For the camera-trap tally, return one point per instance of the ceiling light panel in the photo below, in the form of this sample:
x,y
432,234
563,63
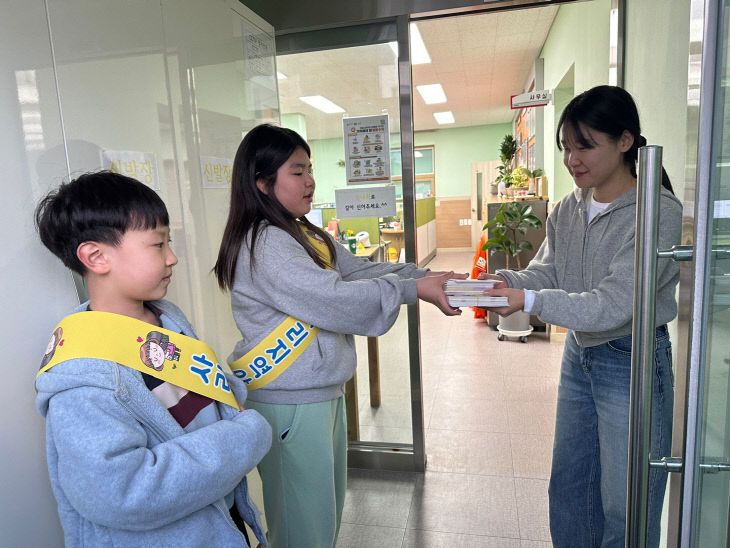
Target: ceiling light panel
x,y
322,103
419,53
432,93
446,117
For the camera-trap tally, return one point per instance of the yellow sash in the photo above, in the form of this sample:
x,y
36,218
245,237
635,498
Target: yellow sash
x,y
280,348
172,357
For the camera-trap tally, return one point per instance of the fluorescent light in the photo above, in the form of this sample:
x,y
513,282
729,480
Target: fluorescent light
x,y
446,117
419,53
280,76
322,103
432,93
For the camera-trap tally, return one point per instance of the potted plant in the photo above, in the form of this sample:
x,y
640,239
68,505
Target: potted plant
x,y
520,176
533,182
507,150
512,221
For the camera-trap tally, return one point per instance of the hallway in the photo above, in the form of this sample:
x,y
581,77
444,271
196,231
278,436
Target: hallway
x,y
489,409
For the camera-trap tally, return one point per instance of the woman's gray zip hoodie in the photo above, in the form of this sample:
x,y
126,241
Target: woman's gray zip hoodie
x,y
583,273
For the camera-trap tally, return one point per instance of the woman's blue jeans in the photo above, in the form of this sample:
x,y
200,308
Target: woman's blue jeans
x,y
587,490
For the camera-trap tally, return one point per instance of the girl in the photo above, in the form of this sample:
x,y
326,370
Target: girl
x,y
295,291
582,278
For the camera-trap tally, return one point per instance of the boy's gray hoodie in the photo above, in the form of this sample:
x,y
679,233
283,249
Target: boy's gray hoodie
x,y
126,474
359,297
583,274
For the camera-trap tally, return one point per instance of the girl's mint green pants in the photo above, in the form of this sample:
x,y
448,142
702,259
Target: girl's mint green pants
x,y
304,474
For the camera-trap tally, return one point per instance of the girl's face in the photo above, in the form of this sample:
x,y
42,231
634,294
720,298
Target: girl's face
x,y
599,164
294,186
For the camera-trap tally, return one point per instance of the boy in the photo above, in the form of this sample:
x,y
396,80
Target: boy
x,y
134,458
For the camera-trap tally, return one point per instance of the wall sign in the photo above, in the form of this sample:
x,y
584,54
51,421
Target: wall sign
x,y
215,172
367,149
138,165
531,99
365,202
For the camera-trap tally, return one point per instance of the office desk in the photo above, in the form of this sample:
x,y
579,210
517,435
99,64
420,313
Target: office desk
x,y
367,252
395,235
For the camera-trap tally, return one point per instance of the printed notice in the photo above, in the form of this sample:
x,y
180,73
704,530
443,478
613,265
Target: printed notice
x,y
215,172
138,165
365,202
367,149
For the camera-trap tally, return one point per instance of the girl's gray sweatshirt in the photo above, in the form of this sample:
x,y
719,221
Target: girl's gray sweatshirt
x,y
359,297
583,274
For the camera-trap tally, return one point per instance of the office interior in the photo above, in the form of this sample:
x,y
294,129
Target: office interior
x,y
451,429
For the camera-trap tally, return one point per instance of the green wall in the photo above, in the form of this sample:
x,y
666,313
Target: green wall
x,y
455,150
576,58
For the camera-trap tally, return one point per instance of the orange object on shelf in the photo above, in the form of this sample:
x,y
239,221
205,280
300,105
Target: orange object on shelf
x,y
479,266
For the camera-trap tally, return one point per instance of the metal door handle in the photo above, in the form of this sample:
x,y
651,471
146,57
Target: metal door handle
x,y
643,342
677,253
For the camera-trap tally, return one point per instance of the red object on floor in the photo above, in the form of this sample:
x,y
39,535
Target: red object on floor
x,y
479,266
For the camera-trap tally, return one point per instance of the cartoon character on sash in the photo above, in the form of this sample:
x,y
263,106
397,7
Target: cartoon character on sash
x,y
56,340
156,349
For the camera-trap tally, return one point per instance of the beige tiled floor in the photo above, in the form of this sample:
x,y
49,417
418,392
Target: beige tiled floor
x,y
489,408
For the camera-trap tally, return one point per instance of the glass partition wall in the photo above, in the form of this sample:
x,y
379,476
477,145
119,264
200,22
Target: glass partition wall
x,y
357,70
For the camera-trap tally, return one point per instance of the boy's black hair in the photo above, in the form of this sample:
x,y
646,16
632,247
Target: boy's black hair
x,y
96,207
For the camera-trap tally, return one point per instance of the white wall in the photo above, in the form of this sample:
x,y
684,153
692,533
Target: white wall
x,y
37,289
167,78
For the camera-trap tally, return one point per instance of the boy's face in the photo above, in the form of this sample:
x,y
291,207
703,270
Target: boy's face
x,y
141,265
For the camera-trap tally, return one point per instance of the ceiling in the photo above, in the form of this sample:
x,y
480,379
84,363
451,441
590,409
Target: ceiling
x,y
480,61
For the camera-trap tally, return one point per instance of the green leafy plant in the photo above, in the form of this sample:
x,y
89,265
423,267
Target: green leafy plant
x,y
507,150
512,220
535,173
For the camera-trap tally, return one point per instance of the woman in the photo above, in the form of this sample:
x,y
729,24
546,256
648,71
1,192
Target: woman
x,y
582,278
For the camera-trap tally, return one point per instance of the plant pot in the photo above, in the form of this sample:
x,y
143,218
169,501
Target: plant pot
x,y
502,188
509,191
493,190
516,322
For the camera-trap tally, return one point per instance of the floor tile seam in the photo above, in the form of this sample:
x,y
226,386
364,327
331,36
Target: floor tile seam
x,y
481,430
454,473
378,526
471,535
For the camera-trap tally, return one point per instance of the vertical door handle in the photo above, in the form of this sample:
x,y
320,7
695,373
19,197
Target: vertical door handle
x,y
643,343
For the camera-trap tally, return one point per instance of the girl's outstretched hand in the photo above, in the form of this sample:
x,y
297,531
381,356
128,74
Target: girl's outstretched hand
x,y
430,289
454,276
501,282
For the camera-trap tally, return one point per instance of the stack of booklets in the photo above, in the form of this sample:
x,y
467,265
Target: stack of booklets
x,y
471,293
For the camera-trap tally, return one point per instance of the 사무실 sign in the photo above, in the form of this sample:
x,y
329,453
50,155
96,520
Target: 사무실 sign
x,y
531,99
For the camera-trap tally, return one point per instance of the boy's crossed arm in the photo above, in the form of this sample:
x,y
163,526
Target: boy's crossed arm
x,y
112,478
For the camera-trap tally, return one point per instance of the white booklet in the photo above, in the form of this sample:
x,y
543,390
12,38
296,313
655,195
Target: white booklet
x,y
471,293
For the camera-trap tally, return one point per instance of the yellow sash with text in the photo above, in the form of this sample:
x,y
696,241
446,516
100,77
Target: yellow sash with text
x,y
172,357
280,348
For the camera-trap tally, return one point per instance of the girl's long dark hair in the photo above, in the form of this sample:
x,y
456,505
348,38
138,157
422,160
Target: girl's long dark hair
x,y
262,152
610,110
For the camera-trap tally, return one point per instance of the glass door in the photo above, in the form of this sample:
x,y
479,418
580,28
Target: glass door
x,y
706,482
327,79
699,496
